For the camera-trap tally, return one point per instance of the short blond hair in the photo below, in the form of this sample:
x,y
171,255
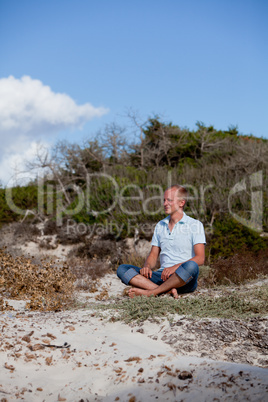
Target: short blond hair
x,y
181,192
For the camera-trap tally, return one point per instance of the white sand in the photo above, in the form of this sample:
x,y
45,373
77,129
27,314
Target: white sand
x,y
95,367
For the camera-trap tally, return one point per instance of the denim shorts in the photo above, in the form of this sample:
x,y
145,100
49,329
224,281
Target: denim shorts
x,y
188,272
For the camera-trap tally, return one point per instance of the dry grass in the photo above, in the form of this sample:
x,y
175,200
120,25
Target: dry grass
x,y
239,268
135,259
26,231
102,250
87,272
45,287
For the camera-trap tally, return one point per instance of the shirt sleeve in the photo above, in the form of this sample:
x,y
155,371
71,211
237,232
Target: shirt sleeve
x,y
199,234
155,239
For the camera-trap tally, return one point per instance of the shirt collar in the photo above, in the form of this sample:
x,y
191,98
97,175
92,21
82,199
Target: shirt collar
x,y
182,221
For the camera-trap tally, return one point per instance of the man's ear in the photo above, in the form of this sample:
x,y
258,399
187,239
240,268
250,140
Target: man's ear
x,y
183,202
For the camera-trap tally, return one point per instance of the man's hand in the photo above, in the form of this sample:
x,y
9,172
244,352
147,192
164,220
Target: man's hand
x,y
147,272
167,272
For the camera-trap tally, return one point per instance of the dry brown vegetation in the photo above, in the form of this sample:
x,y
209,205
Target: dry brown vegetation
x,y
239,268
46,287
87,272
26,231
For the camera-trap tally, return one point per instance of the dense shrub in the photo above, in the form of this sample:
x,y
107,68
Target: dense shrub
x,y
239,268
230,237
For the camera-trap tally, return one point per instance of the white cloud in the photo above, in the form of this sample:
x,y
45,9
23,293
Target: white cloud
x,y
27,106
13,170
31,111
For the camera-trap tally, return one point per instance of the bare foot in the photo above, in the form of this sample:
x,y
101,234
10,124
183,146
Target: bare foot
x,y
125,291
138,292
174,293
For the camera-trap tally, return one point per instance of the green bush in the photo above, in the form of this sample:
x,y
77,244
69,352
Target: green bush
x,y
230,237
23,197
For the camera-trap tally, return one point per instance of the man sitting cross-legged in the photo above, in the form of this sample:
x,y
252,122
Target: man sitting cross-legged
x,y
180,242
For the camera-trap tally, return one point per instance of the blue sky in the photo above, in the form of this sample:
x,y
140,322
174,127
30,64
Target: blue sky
x,y
188,61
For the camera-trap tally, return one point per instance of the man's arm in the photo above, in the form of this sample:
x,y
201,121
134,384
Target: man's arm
x,y
150,262
199,258
199,250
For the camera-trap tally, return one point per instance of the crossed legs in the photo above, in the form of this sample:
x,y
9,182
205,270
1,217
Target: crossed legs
x,y
184,280
143,286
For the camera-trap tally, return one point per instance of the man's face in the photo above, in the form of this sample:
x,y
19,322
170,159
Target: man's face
x,y
171,201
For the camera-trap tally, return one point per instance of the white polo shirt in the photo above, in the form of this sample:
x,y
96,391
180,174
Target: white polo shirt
x,y
177,246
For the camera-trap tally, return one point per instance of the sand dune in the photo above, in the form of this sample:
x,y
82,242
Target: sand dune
x,y
109,361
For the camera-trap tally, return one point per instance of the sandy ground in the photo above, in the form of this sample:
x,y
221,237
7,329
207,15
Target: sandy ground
x,y
109,361
80,356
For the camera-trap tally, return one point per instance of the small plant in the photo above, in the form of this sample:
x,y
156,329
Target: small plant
x,y
26,230
88,270
133,259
